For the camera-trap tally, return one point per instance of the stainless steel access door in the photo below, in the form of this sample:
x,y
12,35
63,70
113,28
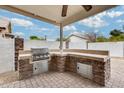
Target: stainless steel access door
x,y
40,67
84,70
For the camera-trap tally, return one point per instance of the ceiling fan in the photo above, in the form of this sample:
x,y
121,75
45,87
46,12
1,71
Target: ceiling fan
x,y
65,7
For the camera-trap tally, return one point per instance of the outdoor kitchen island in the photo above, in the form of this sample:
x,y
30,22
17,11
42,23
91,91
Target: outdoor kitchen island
x,y
95,67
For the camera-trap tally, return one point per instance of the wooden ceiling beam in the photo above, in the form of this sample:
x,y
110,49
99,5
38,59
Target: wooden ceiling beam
x,y
64,10
87,7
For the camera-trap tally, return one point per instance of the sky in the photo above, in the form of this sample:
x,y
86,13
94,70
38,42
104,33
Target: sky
x,y
102,23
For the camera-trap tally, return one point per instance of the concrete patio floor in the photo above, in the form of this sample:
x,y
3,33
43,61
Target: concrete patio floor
x,y
70,80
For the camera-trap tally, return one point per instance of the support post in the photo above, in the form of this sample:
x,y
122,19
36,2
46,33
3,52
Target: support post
x,y
61,38
19,45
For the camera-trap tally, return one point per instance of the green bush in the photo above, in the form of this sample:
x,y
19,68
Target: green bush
x,y
101,39
36,38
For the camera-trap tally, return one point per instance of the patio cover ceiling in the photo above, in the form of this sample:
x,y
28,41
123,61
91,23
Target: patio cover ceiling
x,y
52,13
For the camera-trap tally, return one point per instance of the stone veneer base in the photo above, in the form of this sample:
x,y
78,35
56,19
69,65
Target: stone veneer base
x,y
61,63
25,69
100,69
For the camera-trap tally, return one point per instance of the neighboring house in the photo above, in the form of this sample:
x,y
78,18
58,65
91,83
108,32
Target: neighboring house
x,y
5,29
76,41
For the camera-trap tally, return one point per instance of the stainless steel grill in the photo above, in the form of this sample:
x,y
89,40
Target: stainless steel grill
x,y
40,54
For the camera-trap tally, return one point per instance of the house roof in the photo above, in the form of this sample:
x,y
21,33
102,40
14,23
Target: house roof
x,y
52,13
2,28
76,34
4,23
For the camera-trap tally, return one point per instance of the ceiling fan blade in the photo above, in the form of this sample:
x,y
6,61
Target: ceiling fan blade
x,y
87,7
64,10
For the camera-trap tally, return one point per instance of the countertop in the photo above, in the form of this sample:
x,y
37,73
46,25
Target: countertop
x,y
86,55
90,56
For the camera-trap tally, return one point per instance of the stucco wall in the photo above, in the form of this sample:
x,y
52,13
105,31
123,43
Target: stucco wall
x,y
77,43
76,39
40,44
6,55
116,49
